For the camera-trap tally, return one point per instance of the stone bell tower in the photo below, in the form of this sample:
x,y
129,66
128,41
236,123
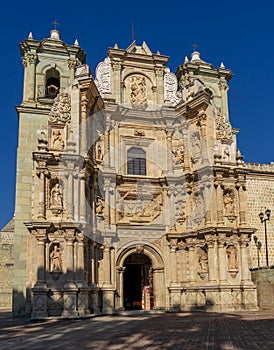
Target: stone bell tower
x,y
49,67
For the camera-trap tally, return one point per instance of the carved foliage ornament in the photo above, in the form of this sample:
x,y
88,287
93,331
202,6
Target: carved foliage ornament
x,y
223,128
60,112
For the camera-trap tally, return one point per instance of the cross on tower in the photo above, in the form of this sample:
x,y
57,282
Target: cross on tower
x,y
55,23
195,46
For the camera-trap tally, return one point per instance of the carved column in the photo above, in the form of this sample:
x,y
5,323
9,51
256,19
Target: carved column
x,y
93,287
224,88
171,205
70,206
212,261
29,62
219,195
186,149
188,206
107,288
107,272
40,289
82,301
158,290
173,262
169,153
202,122
121,271
83,126
192,262
70,289
41,205
242,202
82,198
222,260
245,273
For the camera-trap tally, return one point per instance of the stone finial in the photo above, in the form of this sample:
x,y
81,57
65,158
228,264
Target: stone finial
x,y
55,34
116,46
195,56
222,65
76,43
30,36
186,59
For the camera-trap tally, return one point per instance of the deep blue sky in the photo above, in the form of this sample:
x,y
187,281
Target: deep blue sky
x,y
239,33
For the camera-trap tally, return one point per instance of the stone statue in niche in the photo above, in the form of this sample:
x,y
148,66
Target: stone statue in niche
x,y
232,257
228,199
55,259
57,139
56,194
100,207
203,260
138,93
199,211
195,146
178,155
226,154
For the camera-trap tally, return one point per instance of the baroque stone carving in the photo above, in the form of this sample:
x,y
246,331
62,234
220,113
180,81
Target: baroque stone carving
x,y
103,76
170,87
232,262
223,128
55,196
228,199
138,93
198,206
57,139
100,206
55,259
195,146
60,111
178,153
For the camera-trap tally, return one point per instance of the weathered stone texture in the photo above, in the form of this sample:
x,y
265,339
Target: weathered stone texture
x,y
264,279
6,265
260,196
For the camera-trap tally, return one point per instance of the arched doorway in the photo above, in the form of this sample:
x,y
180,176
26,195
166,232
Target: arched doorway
x,y
138,283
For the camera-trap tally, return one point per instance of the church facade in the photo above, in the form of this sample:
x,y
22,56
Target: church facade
x,y
131,192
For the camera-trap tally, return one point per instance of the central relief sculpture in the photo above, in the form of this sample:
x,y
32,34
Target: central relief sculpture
x,y
138,92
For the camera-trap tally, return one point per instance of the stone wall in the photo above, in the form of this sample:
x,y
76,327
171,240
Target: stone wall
x,y
260,196
6,265
264,279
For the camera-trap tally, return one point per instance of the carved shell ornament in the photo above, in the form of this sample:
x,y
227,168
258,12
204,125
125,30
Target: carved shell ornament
x,y
60,111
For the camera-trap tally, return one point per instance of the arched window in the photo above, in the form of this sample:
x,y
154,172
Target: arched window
x,y
52,83
136,161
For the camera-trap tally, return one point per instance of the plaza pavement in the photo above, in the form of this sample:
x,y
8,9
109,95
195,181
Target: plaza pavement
x,y
129,331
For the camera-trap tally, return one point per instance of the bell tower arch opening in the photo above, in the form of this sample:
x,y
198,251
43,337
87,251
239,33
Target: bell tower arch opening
x,y
52,83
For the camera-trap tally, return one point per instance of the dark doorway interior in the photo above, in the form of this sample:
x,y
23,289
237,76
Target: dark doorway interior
x,y
138,284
